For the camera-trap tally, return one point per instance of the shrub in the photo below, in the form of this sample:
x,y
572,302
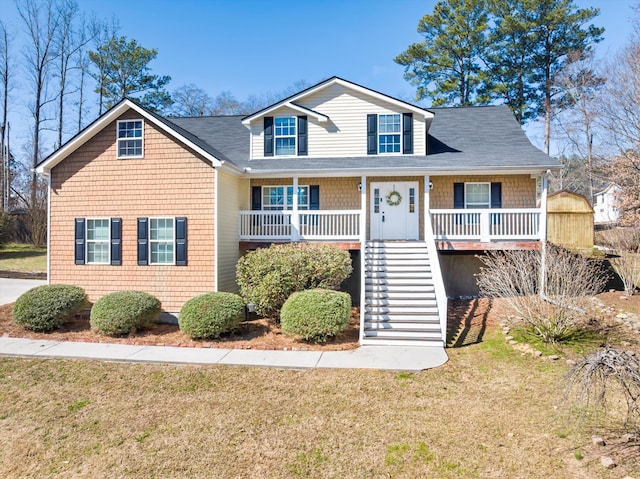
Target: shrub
x,y
7,226
552,312
267,277
210,315
124,312
46,307
624,244
316,315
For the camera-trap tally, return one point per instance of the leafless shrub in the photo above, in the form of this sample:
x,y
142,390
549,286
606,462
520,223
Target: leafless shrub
x,y
554,313
605,377
624,244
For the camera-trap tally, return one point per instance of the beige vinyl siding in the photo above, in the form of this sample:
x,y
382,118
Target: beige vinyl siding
x,y
233,196
345,134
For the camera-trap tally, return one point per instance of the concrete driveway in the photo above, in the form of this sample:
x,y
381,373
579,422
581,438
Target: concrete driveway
x,y
11,289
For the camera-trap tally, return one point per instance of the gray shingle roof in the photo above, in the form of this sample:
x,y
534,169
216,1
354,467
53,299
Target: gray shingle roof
x,y
473,138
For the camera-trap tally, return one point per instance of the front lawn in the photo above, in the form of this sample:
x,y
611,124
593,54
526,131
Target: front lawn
x,y
487,413
23,257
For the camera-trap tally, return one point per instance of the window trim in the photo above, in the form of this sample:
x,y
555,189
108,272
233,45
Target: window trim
x,y
398,134
484,205
118,139
151,241
87,241
285,202
294,135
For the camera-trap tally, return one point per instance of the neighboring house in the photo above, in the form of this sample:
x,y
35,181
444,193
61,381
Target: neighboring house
x,y
606,205
138,201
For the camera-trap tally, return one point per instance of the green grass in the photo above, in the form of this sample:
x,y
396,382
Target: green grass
x,y
23,257
488,412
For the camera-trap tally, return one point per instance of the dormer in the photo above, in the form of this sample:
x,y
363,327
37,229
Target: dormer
x,y
337,118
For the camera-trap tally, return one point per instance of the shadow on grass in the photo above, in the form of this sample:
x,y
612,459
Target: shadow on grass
x,y
467,322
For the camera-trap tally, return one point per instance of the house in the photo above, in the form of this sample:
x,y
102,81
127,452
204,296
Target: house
x,y
606,206
168,205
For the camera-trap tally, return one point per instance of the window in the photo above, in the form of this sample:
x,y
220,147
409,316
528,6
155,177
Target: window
x,y
477,195
281,198
285,135
389,129
161,240
98,241
130,139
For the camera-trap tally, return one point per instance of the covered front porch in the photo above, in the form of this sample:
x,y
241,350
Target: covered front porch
x,y
350,211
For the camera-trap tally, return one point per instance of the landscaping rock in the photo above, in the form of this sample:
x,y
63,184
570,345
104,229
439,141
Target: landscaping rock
x,y
628,438
571,362
509,338
597,441
607,462
553,357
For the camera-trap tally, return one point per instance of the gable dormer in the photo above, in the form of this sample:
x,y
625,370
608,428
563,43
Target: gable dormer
x,y
335,119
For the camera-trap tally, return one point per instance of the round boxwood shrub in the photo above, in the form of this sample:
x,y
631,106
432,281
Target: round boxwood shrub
x,y
268,276
124,312
46,307
316,315
210,315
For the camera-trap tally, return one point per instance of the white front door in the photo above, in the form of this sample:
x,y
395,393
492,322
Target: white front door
x,y
394,211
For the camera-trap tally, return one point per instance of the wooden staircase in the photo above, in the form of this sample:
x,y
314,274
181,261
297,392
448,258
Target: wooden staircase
x,y
400,305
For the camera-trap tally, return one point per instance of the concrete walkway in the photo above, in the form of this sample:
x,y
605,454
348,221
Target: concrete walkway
x,y
11,289
366,357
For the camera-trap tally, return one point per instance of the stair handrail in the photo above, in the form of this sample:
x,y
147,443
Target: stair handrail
x,y
436,272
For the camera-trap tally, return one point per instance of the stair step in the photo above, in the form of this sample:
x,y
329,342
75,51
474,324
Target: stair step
x,y
408,326
424,273
404,334
401,301
395,244
397,310
404,268
401,317
384,287
422,342
399,254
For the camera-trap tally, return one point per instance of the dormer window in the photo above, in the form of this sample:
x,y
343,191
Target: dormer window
x,y
285,135
130,139
389,133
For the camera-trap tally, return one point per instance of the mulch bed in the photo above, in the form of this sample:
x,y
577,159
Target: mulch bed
x,y
261,334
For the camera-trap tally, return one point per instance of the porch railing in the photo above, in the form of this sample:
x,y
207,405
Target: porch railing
x,y
486,224
306,225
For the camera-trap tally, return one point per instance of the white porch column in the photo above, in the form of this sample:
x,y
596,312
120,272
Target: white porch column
x,y
543,207
295,220
363,242
427,205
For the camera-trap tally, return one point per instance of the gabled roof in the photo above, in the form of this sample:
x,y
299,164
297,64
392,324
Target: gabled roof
x,y
207,151
290,101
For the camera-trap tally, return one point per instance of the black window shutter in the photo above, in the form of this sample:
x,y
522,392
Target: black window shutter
x,y
268,136
407,133
314,197
458,195
302,136
116,241
256,198
496,195
181,241
372,134
143,241
80,240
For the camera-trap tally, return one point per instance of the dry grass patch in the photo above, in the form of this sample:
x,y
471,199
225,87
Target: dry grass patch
x,y
488,413
23,257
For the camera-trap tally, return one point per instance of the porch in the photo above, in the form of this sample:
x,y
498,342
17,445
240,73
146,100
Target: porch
x,y
453,229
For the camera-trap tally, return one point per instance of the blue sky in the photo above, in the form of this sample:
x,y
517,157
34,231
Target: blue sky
x,y
250,46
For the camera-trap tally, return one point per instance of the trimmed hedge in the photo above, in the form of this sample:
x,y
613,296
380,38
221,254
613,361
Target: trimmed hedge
x,y
210,315
316,315
46,307
268,276
124,312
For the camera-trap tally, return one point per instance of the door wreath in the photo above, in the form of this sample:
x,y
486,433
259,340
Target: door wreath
x,y
394,198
